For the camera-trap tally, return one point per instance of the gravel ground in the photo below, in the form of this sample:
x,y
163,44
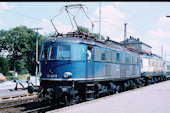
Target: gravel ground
x,y
13,110
150,99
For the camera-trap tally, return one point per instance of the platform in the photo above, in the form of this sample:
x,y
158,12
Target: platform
x,y
12,93
7,88
150,99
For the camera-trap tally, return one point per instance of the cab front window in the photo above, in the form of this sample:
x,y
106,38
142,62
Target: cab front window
x,y
45,52
64,52
53,53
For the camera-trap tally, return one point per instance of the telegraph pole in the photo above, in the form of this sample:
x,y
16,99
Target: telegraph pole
x,y
167,17
36,71
100,22
125,33
162,52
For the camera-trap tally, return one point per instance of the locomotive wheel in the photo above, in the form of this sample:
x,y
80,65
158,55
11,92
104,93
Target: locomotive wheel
x,y
125,86
132,85
52,103
112,88
152,81
70,101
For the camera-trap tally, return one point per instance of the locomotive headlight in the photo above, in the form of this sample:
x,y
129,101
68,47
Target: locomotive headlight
x,y
67,74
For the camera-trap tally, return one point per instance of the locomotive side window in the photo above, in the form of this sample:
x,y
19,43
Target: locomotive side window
x,y
127,59
118,57
103,55
156,63
149,62
64,52
53,53
160,64
109,56
97,54
133,60
123,58
45,52
168,67
113,57
141,62
152,63
138,60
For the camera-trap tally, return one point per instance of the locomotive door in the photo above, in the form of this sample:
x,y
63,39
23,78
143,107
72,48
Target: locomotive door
x,y
90,63
89,69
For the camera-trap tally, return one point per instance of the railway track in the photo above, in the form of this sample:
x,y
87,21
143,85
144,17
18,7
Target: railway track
x,y
23,103
10,102
16,97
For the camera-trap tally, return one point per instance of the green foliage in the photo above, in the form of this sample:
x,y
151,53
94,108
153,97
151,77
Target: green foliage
x,y
4,66
11,78
86,30
82,29
21,67
20,42
23,76
9,74
19,77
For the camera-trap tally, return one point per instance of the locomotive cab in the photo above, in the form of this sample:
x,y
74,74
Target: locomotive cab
x,y
64,60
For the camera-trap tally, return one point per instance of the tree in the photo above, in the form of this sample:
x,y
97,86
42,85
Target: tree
x,y
4,66
82,29
86,30
20,42
97,35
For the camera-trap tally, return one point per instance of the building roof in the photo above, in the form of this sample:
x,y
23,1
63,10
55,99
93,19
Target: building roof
x,y
133,40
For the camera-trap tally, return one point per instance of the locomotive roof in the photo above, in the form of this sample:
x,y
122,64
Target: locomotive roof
x,y
101,43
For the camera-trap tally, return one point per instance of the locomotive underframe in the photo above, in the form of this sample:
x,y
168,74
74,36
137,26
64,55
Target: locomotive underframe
x,y
71,92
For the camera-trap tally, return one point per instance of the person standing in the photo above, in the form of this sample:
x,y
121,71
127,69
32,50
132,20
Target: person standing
x,y
89,52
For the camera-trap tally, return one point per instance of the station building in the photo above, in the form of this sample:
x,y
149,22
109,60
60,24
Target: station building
x,y
136,45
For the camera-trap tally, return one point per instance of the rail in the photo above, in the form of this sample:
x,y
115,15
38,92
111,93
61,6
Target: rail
x,y
17,97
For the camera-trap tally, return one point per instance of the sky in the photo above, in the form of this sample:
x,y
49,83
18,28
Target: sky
x,y
145,20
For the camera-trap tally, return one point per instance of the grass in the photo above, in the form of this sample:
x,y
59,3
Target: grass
x,y
19,77
23,77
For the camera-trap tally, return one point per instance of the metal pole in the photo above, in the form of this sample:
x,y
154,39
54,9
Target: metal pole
x,y
125,33
100,22
36,70
14,66
36,57
162,52
166,17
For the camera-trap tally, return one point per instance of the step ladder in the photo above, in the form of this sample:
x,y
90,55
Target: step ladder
x,y
90,92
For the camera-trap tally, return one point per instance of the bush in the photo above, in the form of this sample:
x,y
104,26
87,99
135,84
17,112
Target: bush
x,y
11,78
20,77
9,74
4,66
23,76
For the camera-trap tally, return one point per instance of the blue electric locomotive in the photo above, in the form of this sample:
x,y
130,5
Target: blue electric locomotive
x,y
68,75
